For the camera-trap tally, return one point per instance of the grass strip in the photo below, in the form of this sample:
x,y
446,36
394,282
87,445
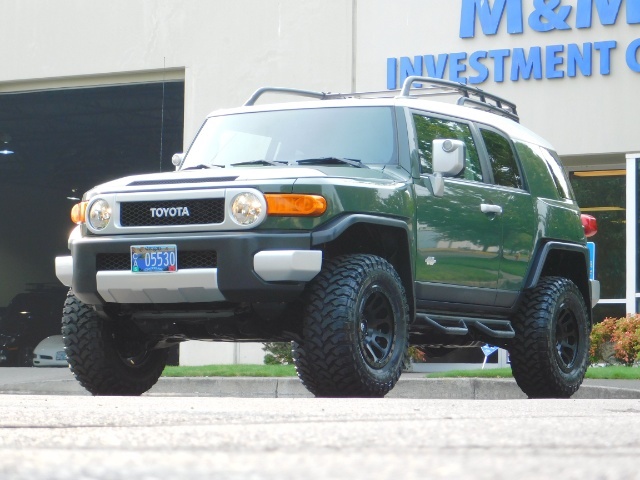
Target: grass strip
x,y
601,373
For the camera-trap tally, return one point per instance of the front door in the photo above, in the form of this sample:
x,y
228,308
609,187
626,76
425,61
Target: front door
x,y
459,234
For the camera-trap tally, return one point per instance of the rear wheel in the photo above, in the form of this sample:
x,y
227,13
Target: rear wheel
x,y
550,351
104,359
355,329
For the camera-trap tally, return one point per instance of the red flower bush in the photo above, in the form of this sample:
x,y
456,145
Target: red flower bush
x,y
622,333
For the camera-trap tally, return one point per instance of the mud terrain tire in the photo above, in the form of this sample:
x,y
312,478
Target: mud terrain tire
x,y
92,348
550,351
355,329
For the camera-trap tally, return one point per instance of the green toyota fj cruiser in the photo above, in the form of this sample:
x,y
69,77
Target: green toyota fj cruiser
x,y
352,225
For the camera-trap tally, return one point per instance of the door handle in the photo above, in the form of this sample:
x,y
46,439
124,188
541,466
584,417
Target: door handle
x,y
487,208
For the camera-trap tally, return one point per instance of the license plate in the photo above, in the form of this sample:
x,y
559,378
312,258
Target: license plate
x,y
154,258
61,356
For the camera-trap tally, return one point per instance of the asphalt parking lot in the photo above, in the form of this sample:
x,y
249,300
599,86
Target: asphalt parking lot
x,y
268,428
71,437
60,381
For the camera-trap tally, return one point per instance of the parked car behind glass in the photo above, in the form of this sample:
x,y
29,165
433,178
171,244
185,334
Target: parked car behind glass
x,y
50,353
30,317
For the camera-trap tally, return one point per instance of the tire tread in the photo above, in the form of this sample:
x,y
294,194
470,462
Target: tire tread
x,y
326,360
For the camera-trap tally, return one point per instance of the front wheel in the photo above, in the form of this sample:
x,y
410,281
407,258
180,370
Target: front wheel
x,y
550,351
355,329
104,359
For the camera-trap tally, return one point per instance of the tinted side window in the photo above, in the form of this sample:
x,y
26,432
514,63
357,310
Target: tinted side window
x,y
503,161
429,129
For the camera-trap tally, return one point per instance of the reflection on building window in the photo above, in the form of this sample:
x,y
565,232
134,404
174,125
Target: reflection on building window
x,y
602,194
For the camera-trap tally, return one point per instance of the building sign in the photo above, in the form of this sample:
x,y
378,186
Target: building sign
x,y
539,61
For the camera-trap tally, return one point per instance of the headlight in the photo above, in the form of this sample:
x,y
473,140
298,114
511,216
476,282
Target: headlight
x,y
99,214
246,208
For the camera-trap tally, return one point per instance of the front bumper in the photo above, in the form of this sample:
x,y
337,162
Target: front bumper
x,y
251,267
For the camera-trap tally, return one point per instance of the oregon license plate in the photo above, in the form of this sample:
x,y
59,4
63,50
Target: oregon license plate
x,y
154,258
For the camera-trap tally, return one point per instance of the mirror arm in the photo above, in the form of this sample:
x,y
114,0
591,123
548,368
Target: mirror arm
x,y
437,183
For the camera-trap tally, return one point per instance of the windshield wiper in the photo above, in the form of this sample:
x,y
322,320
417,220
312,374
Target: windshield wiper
x,y
332,161
259,162
202,166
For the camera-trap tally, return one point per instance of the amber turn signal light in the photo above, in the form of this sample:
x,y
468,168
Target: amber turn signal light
x,y
296,205
78,212
590,225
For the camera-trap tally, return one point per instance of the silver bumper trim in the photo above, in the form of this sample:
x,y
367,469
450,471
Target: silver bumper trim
x,y
64,270
594,285
287,265
183,286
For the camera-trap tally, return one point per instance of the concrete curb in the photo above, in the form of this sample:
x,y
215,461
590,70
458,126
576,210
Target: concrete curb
x,y
288,387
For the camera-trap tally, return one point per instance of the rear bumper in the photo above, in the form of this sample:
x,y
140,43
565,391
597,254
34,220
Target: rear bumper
x,y
594,286
250,267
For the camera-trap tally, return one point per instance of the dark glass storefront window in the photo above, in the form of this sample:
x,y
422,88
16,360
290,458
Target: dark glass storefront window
x,y
54,145
602,194
606,310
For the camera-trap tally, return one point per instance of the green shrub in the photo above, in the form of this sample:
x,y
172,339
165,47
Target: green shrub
x,y
621,333
277,353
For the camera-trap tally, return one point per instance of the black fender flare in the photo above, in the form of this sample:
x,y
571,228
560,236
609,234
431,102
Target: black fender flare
x,y
338,226
541,253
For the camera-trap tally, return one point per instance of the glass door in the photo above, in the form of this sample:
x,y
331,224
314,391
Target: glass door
x,y
602,193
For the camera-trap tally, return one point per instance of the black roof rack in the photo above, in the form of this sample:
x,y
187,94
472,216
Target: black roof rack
x,y
471,96
291,91
483,100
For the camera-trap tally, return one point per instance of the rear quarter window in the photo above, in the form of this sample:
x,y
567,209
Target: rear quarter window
x,y
544,172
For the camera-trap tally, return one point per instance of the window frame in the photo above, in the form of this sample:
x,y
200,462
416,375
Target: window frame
x,y
487,176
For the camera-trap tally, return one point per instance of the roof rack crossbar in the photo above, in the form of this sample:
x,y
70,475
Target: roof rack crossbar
x,y
319,95
483,105
432,86
485,101
291,91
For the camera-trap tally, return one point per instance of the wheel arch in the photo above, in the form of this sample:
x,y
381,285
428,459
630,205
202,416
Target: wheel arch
x,y
566,260
385,237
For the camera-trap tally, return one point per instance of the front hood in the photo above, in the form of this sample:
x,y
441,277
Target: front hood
x,y
235,177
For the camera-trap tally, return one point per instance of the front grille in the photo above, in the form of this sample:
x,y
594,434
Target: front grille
x,y
172,212
186,259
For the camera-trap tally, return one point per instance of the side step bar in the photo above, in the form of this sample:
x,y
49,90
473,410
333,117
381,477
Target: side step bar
x,y
461,325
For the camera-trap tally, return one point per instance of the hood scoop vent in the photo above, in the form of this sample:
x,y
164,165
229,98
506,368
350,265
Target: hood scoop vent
x,y
177,181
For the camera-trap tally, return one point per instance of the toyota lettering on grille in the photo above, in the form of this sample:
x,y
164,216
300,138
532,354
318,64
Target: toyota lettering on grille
x,y
169,212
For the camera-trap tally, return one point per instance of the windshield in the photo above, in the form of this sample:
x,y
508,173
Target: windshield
x,y
364,134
